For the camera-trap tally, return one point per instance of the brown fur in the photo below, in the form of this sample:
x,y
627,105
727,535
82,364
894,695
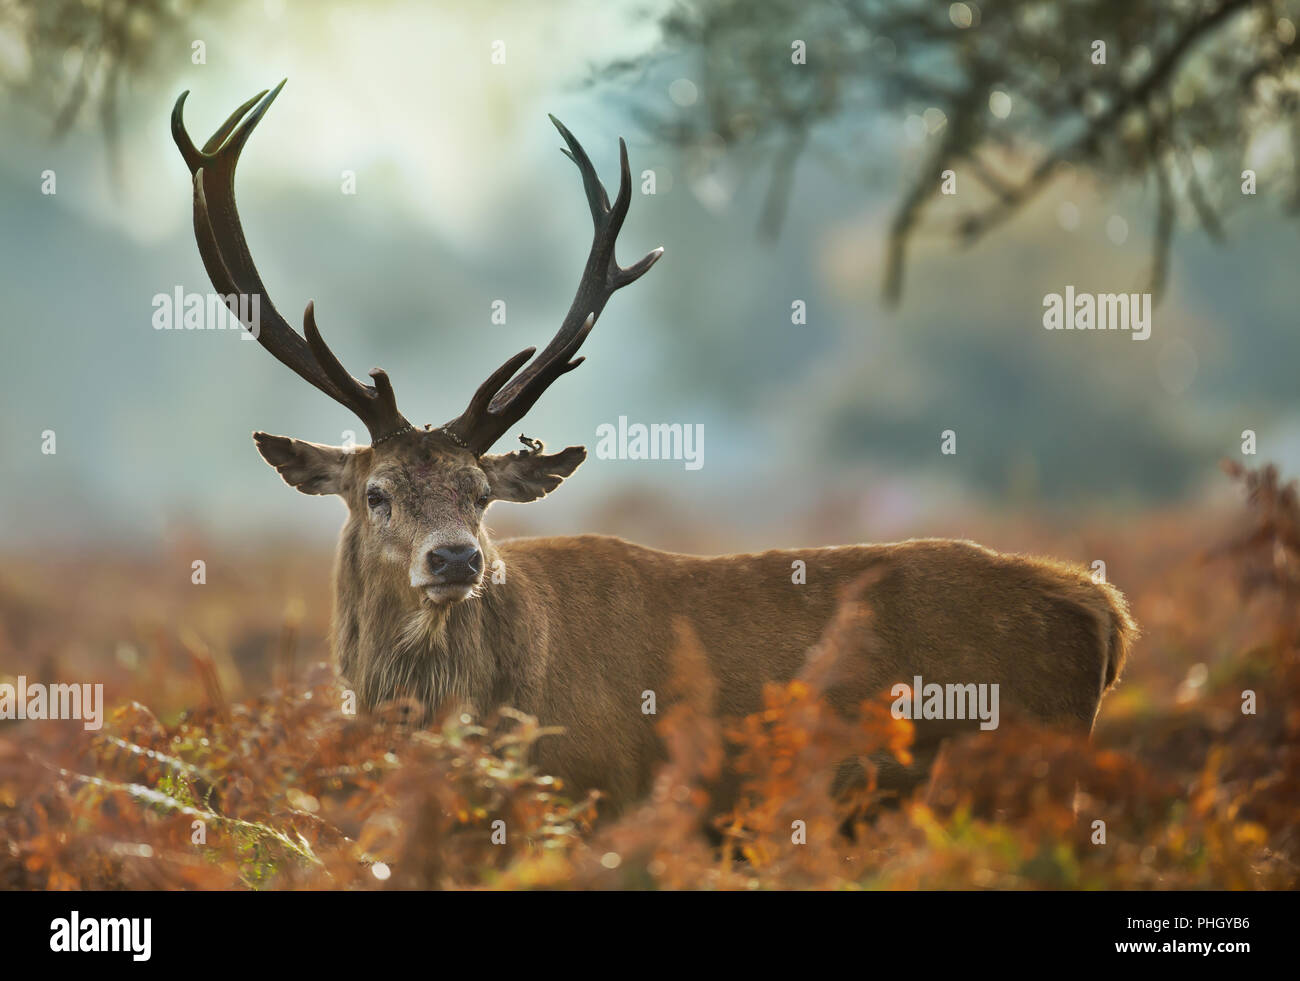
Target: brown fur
x,y
582,626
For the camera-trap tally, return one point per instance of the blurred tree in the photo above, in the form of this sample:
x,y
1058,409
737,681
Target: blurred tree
x,y
1006,94
70,57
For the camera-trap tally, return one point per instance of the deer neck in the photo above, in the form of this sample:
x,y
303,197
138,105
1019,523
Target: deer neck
x,y
390,644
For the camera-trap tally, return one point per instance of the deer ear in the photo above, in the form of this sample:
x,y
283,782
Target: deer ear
x,y
312,468
526,475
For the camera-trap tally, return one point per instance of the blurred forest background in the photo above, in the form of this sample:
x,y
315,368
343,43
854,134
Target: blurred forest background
x,y
776,182
798,151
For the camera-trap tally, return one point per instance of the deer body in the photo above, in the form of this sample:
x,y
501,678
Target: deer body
x,y
582,628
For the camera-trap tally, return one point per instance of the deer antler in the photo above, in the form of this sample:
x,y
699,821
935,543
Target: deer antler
x,y
230,267
504,398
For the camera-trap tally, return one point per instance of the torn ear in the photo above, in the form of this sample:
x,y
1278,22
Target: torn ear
x,y
526,475
312,468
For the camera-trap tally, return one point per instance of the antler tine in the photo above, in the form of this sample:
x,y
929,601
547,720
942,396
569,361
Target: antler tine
x,y
380,405
552,369
220,237
479,428
483,397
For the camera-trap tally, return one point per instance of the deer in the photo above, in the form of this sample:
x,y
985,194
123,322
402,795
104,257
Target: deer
x,y
575,629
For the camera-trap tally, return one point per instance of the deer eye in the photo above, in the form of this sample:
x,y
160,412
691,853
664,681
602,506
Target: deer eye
x,y
376,498
484,499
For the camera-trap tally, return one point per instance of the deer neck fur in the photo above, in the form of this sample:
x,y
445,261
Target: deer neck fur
x,y
390,643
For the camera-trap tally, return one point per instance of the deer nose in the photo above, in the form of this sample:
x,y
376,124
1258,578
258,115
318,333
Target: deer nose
x,y
456,563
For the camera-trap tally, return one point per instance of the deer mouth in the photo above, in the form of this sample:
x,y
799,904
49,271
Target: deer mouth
x,y
445,593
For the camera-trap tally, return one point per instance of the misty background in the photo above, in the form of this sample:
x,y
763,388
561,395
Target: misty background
x,y
827,431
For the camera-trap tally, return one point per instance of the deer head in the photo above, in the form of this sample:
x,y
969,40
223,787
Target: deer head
x,y
416,497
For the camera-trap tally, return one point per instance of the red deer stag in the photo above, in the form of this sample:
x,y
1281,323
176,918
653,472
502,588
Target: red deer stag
x,y
582,626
